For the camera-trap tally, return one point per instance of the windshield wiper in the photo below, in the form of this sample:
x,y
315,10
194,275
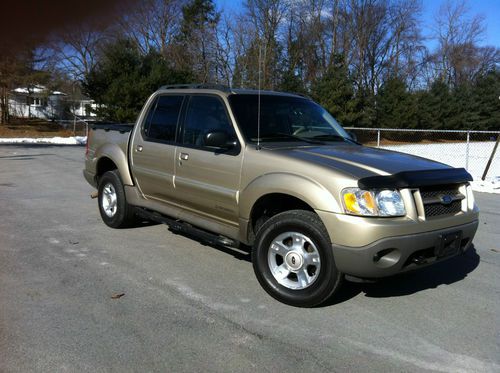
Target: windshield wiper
x,y
335,138
283,135
330,137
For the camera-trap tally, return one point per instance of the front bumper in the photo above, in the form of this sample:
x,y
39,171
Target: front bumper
x,y
392,255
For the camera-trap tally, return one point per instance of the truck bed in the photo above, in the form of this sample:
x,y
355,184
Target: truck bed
x,y
120,127
110,133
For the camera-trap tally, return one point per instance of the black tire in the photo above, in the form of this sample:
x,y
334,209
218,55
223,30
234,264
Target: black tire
x,y
123,215
309,225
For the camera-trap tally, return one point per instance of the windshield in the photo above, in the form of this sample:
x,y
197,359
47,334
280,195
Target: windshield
x,y
285,118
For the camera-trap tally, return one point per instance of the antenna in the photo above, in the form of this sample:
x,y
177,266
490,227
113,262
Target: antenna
x,y
258,100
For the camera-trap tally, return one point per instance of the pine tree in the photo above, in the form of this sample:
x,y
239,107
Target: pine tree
x,y
486,93
396,106
291,82
334,91
435,107
124,79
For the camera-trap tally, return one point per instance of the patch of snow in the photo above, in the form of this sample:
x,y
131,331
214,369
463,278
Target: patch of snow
x,y
74,140
455,155
488,186
35,89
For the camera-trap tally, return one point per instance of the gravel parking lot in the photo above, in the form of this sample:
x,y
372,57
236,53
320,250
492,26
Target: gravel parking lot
x,y
78,296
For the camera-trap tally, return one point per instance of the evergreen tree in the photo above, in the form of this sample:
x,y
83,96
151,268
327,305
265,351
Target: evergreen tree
x,y
463,108
197,41
124,78
197,15
435,106
486,94
291,82
396,106
334,91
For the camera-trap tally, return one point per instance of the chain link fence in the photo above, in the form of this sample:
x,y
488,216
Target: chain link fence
x,y
468,149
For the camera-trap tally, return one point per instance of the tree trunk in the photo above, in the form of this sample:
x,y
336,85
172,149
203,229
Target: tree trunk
x,y
4,106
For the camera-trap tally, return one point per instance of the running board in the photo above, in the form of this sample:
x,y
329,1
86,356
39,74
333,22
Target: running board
x,y
186,228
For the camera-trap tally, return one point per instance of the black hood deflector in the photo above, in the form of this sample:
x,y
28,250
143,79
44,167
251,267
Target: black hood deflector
x,y
415,179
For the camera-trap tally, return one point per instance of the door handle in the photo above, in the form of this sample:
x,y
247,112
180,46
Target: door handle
x,y
139,148
183,156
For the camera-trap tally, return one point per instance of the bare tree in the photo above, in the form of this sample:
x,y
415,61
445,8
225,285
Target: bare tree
x,y
153,24
459,58
264,18
11,70
225,50
77,47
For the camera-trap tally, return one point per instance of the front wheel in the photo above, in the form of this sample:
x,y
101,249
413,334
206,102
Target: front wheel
x,y
113,206
293,259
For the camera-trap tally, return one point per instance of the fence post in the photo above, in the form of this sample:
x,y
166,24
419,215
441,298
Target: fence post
x,y
378,138
467,152
491,158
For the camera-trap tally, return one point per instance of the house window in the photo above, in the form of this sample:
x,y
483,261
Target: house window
x,y
35,101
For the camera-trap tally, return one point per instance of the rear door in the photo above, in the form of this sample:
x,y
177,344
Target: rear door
x,y
206,179
153,148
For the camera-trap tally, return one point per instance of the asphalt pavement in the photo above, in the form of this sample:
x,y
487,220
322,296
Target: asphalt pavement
x,y
76,295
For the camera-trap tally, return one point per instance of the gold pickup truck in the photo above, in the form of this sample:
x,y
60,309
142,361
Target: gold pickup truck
x,y
276,172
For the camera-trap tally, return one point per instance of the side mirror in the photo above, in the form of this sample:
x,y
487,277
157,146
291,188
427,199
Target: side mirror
x,y
219,139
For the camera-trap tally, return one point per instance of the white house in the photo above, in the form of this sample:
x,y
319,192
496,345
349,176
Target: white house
x,y
39,102
84,108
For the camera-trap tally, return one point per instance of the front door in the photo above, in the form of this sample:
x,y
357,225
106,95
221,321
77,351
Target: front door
x,y
207,179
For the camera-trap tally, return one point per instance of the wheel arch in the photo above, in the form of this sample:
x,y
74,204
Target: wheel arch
x,y
274,193
111,157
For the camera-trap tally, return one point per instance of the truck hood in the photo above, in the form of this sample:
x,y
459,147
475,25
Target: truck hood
x,y
361,161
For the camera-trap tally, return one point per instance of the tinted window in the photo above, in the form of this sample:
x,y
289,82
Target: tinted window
x,y
161,122
284,117
205,114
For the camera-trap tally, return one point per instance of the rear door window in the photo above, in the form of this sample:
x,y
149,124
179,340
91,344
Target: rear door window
x,y
161,121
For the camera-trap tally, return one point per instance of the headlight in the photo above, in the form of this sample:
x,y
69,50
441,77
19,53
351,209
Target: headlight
x,y
390,203
373,203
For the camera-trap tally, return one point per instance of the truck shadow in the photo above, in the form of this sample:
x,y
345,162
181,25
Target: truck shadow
x,y
443,273
241,253
24,157
446,272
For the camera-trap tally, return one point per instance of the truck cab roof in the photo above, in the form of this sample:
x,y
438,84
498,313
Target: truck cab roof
x,y
219,88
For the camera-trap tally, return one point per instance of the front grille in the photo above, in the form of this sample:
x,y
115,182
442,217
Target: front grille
x,y
432,192
437,209
432,199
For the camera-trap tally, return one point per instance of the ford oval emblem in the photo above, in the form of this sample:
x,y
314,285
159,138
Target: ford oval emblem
x,y
446,199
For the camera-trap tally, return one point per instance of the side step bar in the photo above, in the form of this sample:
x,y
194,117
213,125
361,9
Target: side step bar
x,y
186,228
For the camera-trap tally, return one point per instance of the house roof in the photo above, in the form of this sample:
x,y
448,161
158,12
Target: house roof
x,y
38,89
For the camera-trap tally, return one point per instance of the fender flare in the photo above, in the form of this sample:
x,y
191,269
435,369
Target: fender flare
x,y
119,158
298,186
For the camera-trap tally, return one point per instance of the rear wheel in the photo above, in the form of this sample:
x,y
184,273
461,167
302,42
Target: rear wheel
x,y
293,259
113,206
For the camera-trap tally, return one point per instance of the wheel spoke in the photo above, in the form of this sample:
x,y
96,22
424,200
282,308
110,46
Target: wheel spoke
x,y
298,241
304,278
279,248
311,258
282,272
